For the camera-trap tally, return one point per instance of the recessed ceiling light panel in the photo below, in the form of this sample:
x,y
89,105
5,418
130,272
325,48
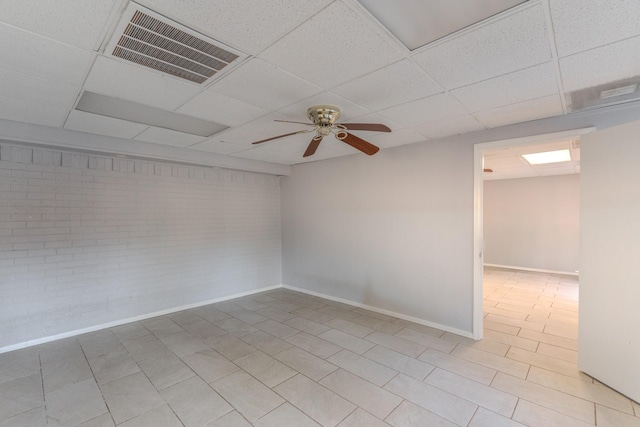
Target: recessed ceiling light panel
x,y
417,23
95,103
546,157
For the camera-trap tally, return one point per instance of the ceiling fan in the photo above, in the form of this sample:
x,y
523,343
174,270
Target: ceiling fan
x,y
324,119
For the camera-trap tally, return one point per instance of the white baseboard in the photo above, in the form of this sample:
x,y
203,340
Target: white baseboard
x,y
94,328
537,270
456,331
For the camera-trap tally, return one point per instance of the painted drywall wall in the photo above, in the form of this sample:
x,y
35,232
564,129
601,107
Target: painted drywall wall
x,y
533,223
87,240
393,231
609,339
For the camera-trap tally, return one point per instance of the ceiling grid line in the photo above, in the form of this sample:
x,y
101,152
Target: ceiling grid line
x,y
299,54
554,53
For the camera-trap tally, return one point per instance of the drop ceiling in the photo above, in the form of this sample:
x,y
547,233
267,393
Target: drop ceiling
x,y
517,66
508,163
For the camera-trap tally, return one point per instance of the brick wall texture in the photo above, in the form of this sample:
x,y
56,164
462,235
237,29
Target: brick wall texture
x,y
87,240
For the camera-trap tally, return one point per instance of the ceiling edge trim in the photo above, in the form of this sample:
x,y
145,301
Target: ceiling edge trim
x,y
18,132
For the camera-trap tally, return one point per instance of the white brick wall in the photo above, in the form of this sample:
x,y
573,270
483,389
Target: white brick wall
x,y
89,240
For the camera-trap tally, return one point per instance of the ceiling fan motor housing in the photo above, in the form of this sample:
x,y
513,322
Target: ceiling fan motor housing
x,y
324,118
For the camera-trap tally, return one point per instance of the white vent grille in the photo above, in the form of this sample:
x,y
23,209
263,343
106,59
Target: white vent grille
x,y
168,47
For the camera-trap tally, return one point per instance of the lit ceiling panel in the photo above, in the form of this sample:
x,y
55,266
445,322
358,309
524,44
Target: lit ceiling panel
x,y
417,23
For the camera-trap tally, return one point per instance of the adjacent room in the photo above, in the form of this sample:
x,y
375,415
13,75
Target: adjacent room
x,y
319,212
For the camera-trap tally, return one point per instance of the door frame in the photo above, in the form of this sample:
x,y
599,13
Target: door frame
x,y
478,208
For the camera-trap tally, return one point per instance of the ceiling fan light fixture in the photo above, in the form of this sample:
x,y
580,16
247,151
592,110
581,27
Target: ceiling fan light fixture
x,y
324,118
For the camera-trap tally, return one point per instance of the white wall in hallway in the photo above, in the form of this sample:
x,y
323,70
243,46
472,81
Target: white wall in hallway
x,y
609,335
533,223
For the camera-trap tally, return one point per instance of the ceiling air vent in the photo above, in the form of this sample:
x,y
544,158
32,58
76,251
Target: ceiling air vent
x,y
149,39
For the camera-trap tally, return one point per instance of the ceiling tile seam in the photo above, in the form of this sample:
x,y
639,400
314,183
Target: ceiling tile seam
x,y
110,25
212,87
93,53
443,89
48,106
43,79
635,36
81,88
359,9
295,27
554,53
507,74
478,25
403,50
38,35
500,75
588,50
464,107
210,84
518,103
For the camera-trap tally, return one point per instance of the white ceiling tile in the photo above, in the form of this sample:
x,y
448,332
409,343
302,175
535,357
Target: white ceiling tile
x,y
605,64
538,148
508,163
522,112
248,25
509,174
392,139
218,147
393,85
168,137
333,47
376,118
451,126
584,24
501,163
238,136
30,112
531,83
348,109
142,85
267,125
327,151
290,144
259,83
77,22
516,41
269,155
223,109
34,89
38,56
437,107
102,125
556,170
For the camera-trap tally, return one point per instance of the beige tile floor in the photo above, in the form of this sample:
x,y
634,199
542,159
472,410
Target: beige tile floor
x,y
283,358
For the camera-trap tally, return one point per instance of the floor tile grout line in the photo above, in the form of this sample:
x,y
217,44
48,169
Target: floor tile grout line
x,y
455,346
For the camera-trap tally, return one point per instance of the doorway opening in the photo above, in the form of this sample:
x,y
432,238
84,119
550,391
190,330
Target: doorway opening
x,y
479,153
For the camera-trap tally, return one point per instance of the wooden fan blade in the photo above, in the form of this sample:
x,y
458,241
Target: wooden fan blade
x,y
375,127
313,146
289,121
360,144
279,136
